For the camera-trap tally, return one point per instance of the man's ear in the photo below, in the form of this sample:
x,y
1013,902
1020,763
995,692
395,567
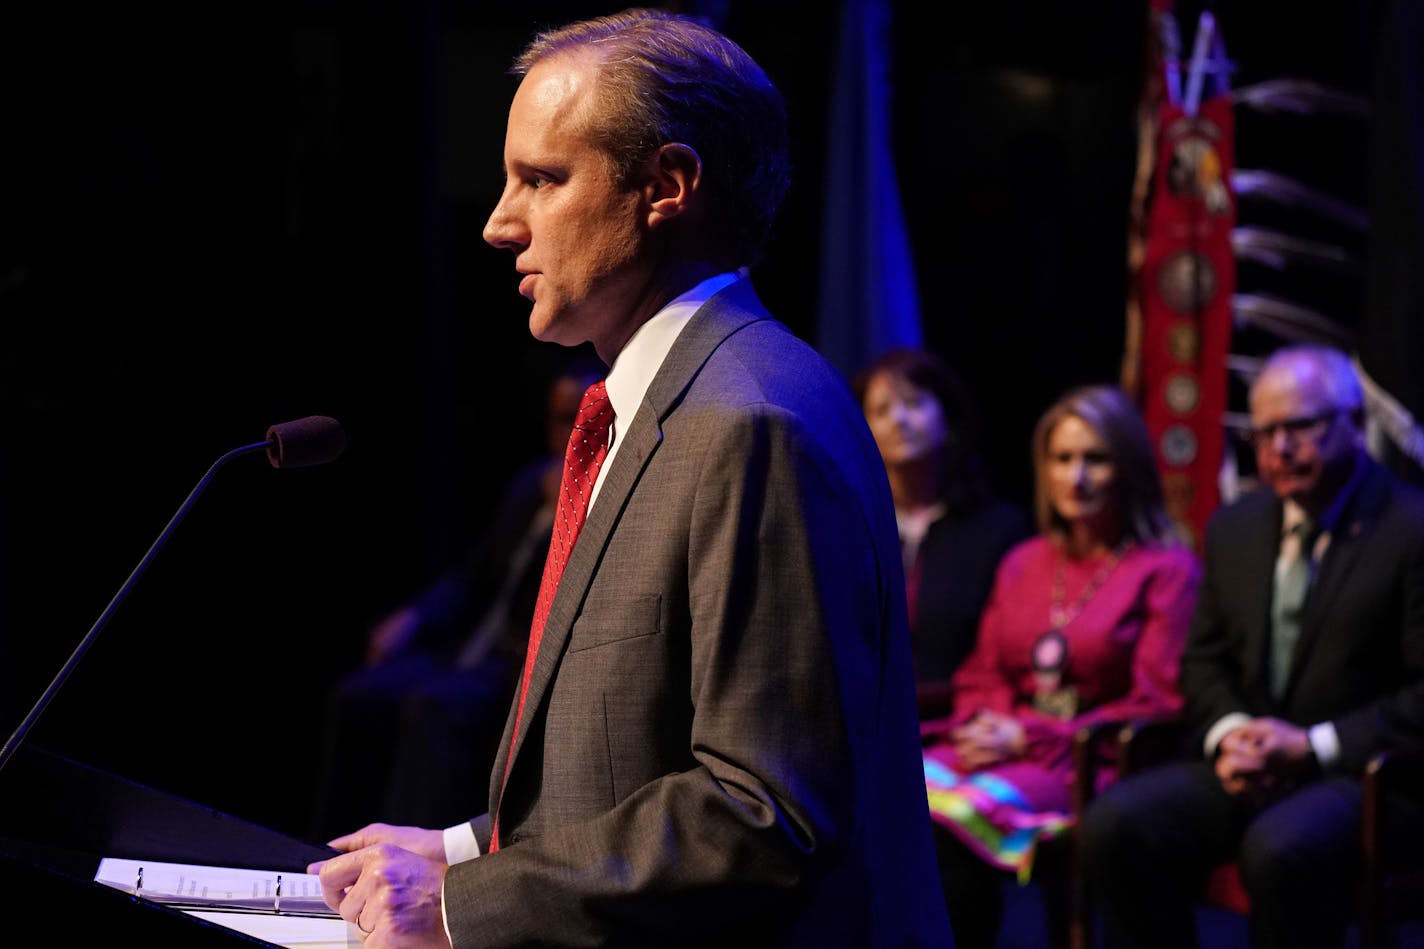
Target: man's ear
x,y
674,179
1359,420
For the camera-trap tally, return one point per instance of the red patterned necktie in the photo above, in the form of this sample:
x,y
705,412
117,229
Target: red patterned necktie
x,y
588,446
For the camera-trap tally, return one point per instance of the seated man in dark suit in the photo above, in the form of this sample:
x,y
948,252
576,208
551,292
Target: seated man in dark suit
x,y
1305,658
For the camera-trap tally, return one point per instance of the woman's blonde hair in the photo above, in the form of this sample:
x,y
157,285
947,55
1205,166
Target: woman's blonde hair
x,y
1108,410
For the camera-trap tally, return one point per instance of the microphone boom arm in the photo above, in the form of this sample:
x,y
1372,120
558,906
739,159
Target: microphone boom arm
x,y
20,732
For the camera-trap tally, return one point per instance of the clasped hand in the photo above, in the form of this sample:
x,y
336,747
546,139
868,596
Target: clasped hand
x,y
388,885
988,738
1256,757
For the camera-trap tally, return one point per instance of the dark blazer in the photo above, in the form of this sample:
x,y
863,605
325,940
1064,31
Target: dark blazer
x,y
721,743
958,558
1359,662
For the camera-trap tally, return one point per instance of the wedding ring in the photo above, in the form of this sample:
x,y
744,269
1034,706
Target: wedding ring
x,y
364,930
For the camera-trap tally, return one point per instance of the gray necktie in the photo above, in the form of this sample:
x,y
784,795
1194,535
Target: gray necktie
x,y
1292,582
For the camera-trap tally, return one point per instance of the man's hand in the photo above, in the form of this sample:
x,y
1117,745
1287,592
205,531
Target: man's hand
x,y
388,885
1240,766
1254,758
1285,747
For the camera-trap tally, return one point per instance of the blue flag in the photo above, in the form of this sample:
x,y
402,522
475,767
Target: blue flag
x,y
869,301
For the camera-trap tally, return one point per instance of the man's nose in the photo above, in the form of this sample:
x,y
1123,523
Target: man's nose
x,y
503,228
495,229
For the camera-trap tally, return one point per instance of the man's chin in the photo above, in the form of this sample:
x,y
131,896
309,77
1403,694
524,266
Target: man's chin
x,y
541,327
1298,490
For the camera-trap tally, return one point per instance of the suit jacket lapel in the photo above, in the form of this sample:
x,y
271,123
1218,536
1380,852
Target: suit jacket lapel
x,y
1265,546
1339,559
641,440
722,315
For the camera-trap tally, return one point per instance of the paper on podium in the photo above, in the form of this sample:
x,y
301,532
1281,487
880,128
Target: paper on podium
x,y
279,907
293,932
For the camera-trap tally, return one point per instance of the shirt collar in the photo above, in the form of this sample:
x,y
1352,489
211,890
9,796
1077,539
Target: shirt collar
x,y
639,360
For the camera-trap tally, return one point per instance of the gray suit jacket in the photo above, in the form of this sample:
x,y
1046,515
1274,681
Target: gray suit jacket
x,y
721,744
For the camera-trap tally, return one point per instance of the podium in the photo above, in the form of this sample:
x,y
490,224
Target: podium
x,y
58,817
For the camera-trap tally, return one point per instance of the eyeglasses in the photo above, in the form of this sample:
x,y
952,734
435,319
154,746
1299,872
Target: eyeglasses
x,y
1296,430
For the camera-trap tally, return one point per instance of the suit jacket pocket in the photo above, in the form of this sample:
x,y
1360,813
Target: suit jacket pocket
x,y
615,620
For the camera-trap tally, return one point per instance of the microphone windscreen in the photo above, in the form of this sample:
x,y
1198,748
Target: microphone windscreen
x,y
313,440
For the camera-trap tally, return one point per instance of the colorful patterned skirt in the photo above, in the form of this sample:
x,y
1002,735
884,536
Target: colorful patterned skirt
x,y
990,816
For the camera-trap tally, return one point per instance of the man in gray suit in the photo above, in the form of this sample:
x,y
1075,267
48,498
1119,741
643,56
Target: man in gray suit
x,y
1286,696
718,744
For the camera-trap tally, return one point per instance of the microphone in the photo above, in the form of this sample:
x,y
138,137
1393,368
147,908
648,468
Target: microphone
x,y
313,440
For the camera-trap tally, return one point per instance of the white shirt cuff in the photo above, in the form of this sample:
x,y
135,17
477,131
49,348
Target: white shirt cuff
x,y
1325,742
460,843
1218,731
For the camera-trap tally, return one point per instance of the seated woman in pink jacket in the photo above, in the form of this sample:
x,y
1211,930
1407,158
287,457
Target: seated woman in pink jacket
x,y
1086,621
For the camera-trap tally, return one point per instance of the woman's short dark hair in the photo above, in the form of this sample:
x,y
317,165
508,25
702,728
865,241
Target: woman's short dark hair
x,y
965,481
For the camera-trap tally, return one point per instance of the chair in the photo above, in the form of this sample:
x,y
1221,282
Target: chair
x,y
1391,885
1089,745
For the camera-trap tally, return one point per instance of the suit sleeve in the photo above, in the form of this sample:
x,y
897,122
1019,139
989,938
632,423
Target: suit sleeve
x,y
1396,719
1211,673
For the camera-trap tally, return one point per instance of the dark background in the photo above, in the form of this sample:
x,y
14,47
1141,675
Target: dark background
x,y
214,217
